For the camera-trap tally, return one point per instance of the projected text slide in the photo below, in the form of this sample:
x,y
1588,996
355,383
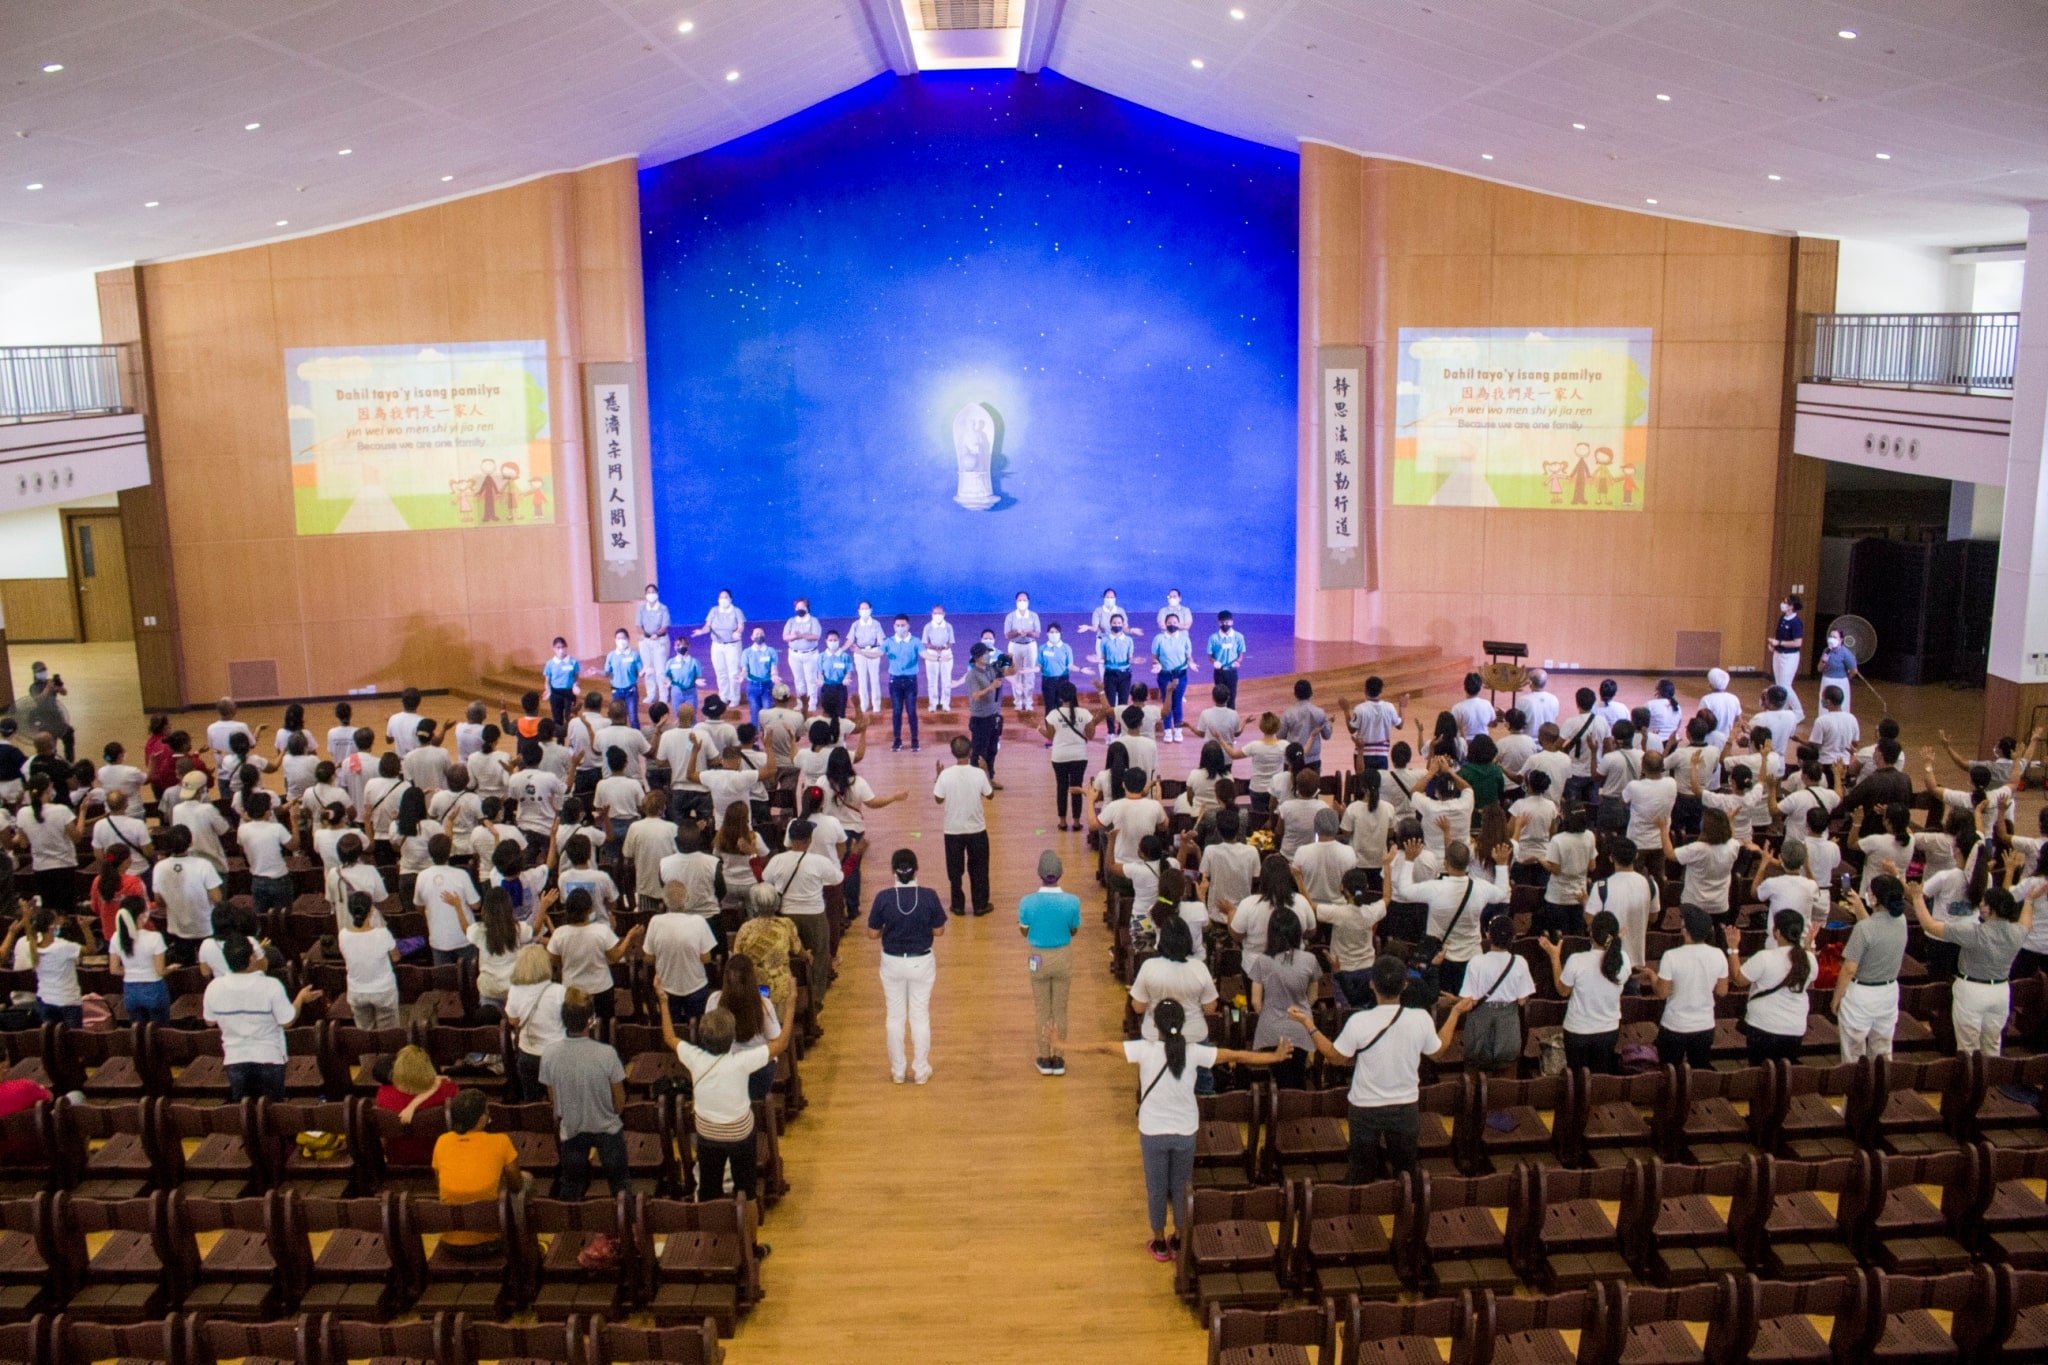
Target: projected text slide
x,y
1523,417
419,438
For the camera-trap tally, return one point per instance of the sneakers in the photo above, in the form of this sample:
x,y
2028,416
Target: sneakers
x,y
1160,1250
897,747
920,1080
1059,1066
1045,1066
897,1077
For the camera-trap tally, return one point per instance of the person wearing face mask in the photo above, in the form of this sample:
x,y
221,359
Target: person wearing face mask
x,y
1055,665
834,664
560,672
685,676
1787,642
622,666
904,652
938,661
653,622
1022,630
1837,664
1098,622
1115,650
1175,607
1226,652
726,624
757,668
865,637
1172,651
800,634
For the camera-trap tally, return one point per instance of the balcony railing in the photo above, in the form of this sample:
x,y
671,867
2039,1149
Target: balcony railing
x,y
1916,350
59,381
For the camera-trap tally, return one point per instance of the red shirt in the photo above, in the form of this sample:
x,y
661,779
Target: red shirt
x,y
160,763
131,885
412,1151
16,1096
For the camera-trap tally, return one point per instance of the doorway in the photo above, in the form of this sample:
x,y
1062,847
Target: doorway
x,y
99,576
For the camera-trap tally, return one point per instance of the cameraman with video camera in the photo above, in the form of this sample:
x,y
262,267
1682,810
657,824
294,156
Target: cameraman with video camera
x,y
986,670
43,710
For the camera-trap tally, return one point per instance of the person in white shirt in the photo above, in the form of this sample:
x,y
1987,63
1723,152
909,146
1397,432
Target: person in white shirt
x,y
589,951
577,870
221,732
341,736
1724,706
1690,978
677,946
368,950
1130,817
1474,714
963,789
252,1012
1515,748
489,769
449,897
1498,982
1250,917
539,794
1774,1020
1709,863
1385,1046
267,844
1568,860
1781,883
402,730
184,890
42,942
533,1007
1169,1116
1539,704
1835,731
721,1067
498,938
137,955
1367,823
1781,716
426,764
469,731
117,776
1582,739
1374,723
1591,982
1322,863
1990,806
616,802
1629,896
1457,903
1649,800
1444,805
801,877
117,830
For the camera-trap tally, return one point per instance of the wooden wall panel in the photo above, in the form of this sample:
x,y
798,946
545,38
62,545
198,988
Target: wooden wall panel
x,y
556,259
1811,266
1442,250
39,609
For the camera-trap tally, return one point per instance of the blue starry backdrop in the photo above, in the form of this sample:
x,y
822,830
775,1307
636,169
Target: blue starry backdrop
x,y
1107,293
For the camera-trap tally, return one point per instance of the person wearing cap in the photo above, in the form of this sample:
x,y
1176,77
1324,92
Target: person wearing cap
x,y
906,919
1724,706
986,670
45,709
1049,918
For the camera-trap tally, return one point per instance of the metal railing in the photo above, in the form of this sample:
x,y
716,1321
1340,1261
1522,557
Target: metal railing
x,y
1915,350
59,381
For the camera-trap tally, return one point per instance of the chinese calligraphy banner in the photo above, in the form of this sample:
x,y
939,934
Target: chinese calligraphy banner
x,y
1519,417
1344,457
420,438
614,416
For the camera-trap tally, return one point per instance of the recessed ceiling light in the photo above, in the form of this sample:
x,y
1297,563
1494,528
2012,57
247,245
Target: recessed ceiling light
x,y
1774,177
151,204
687,26
1884,156
1237,14
1580,126
1197,63
1845,33
732,76
446,178
251,127
1665,98
1486,156
52,68
1649,201
35,185
283,221
346,151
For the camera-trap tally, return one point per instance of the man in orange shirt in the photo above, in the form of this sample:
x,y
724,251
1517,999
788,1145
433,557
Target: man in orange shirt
x,y
472,1165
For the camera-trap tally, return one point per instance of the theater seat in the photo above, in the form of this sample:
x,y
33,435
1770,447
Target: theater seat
x,y
1407,1333
1273,1337
1460,1239
1230,1256
1347,1237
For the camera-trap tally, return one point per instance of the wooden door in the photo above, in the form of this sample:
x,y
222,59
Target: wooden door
x,y
99,571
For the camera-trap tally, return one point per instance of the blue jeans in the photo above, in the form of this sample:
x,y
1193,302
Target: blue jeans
x,y
760,696
1172,687
147,1002
256,1080
71,1016
611,1155
902,699
691,1006
631,697
466,953
1116,693
271,893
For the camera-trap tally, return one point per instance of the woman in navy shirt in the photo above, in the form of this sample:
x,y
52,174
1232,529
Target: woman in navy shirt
x,y
906,918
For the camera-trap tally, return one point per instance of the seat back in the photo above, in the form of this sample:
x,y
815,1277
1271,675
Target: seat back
x,y
1235,1329
1756,1087
1946,1077
1656,1091
474,1341
348,1052
1541,1190
1584,1311
1954,1171
1840,1298
1849,1083
73,1342
344,1339
74,1220
26,1342
622,1344
1427,1320
1970,1297
1845,1178
179,1121
1545,1094
210,1340
1636,1307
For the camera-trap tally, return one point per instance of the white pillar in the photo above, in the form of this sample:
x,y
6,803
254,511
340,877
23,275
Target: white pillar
x,y
2019,618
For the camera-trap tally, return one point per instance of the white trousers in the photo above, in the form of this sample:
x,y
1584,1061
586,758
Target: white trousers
x,y
867,676
653,666
938,679
1979,1012
805,679
1785,668
1866,1020
907,990
1024,677
725,664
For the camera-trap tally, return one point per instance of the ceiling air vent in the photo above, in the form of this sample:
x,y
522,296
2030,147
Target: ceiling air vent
x,y
950,14
253,678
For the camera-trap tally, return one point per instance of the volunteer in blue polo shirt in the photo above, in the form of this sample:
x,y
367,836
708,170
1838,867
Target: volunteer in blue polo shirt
x,y
685,676
1226,651
1116,649
757,666
622,666
1172,651
834,664
1055,662
904,653
1049,918
560,672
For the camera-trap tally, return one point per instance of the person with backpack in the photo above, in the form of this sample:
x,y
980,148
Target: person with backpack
x,y
1457,903
1498,981
1774,1020
1385,1046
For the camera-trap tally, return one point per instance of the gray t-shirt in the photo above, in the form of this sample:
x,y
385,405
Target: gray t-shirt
x,y
1283,983
1877,945
1987,946
580,1072
978,677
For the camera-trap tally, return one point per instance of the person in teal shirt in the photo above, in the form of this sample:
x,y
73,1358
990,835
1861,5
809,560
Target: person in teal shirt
x,y
1049,918
560,672
1116,649
685,675
904,653
1226,651
622,666
834,663
1172,652
1055,663
757,667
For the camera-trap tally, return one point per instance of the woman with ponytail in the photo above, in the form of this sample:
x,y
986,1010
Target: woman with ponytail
x,y
112,884
1168,1116
1866,1000
1591,982
1986,945
1774,1020
136,954
51,831
46,943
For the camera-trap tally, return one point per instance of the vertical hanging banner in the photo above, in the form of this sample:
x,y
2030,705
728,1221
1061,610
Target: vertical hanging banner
x,y
614,413
1343,485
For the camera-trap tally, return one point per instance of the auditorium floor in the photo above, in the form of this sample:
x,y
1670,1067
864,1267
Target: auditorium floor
x,y
994,1214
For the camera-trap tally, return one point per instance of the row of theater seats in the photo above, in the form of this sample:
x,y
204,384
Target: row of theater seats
x,y
1473,1125
1550,1228
248,1259
330,1339
1985,1315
